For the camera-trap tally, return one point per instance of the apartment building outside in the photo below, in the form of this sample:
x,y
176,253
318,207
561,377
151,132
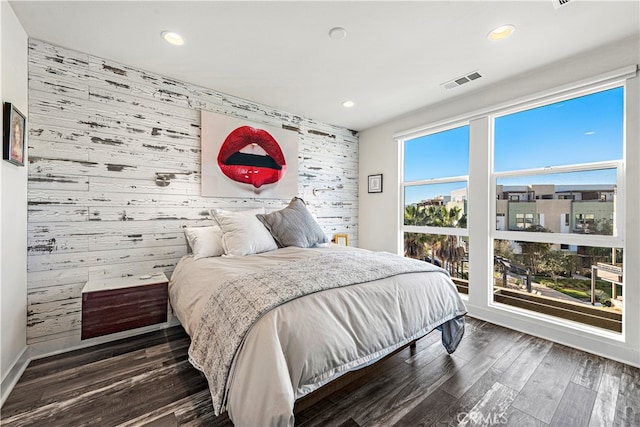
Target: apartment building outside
x,y
585,209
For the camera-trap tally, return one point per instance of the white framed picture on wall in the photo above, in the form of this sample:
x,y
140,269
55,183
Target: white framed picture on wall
x,y
375,183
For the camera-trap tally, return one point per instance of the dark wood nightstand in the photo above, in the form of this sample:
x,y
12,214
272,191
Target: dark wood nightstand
x,y
123,303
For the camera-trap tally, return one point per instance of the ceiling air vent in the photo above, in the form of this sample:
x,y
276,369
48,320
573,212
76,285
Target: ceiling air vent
x,y
559,3
459,81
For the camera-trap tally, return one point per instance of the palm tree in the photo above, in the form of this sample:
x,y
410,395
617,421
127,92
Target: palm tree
x,y
414,243
446,247
414,215
440,216
450,252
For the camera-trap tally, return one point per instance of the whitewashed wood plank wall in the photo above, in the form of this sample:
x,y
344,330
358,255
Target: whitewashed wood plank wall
x,y
99,132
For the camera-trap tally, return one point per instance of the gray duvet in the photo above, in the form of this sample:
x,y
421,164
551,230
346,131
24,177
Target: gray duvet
x,y
261,345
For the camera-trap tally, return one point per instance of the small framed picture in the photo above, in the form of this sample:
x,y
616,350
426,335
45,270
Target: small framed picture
x,y
341,239
375,183
13,141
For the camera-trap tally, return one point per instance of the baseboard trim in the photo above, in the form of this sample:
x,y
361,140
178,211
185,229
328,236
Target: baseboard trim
x,y
16,371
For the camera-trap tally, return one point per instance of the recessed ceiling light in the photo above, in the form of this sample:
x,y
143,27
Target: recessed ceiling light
x,y
173,38
348,104
502,32
337,33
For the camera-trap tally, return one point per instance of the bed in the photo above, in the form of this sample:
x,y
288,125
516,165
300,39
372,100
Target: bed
x,y
271,326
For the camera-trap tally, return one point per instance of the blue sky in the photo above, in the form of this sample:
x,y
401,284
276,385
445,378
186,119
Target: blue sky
x,y
581,130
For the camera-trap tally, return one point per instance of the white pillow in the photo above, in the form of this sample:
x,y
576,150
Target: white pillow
x,y
243,233
205,241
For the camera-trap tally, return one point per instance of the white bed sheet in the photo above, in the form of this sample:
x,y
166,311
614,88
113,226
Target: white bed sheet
x,y
305,343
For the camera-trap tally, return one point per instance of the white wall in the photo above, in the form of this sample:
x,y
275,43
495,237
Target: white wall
x,y
13,216
380,213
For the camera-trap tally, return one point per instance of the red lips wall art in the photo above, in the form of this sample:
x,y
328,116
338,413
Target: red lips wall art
x,y
249,168
247,160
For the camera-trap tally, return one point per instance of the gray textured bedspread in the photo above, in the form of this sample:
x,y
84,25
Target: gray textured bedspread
x,y
240,302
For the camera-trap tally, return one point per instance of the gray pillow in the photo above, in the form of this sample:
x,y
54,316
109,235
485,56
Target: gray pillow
x,y
294,226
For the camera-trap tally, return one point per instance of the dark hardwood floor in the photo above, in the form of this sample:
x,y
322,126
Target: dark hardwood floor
x,y
496,377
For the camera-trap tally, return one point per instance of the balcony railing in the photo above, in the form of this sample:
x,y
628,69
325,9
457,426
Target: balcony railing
x,y
595,316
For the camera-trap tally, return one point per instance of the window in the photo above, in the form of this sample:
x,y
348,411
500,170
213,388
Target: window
x,y
571,152
524,220
571,145
435,185
586,223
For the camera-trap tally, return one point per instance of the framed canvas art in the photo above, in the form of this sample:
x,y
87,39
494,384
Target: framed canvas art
x,y
247,160
13,141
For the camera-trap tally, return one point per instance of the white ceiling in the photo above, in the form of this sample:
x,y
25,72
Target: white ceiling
x,y
394,59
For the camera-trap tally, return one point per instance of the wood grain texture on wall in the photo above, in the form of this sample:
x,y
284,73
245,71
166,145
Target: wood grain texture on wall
x,y
99,132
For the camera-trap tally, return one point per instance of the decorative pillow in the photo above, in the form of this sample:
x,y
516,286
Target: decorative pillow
x,y
243,234
205,241
294,226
